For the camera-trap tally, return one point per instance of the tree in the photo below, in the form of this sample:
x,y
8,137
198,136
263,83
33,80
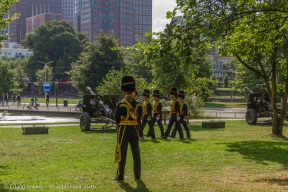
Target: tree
x,y
5,19
55,41
45,74
96,61
7,75
253,31
111,83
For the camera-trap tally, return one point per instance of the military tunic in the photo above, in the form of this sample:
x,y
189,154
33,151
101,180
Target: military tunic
x,y
128,113
174,118
156,117
147,116
183,117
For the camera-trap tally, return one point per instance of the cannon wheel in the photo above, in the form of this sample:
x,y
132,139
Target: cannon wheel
x,y
251,116
85,121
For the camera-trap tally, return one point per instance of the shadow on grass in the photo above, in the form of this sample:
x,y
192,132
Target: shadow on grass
x,y
271,181
140,186
262,151
99,130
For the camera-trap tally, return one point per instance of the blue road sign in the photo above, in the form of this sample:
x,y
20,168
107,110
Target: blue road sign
x,y
46,86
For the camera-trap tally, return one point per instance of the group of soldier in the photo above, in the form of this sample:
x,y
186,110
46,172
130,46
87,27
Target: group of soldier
x,y
152,113
129,113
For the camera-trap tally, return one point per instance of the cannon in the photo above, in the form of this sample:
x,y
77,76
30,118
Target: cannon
x,y
98,109
259,105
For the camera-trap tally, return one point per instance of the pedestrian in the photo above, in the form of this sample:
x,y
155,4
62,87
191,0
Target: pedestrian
x,y
6,98
147,115
128,112
18,100
183,115
32,102
174,114
36,102
156,113
47,99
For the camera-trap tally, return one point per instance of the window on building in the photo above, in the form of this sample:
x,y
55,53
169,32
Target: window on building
x,y
140,10
144,20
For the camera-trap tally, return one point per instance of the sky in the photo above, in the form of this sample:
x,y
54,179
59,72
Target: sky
x,y
159,9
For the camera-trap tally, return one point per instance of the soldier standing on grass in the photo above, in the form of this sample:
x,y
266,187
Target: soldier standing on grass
x,y
147,115
157,113
183,115
128,113
174,114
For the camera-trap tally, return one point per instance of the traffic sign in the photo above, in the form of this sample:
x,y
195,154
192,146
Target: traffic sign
x,y
46,86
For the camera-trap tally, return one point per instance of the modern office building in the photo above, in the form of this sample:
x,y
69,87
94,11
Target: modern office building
x,y
35,21
127,20
27,8
68,10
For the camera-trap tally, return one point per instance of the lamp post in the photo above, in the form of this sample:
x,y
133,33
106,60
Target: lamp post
x,y
56,83
45,70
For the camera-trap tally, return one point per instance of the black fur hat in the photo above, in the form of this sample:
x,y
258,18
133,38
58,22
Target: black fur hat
x,y
181,94
173,91
128,84
146,92
156,93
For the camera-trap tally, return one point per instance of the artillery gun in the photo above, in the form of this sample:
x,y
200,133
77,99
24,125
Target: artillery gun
x,y
98,109
259,105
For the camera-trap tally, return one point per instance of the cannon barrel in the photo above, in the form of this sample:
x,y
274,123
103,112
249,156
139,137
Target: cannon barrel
x,y
90,90
249,90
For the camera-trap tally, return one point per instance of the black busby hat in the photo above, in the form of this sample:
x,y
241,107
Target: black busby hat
x,y
173,91
128,84
181,93
146,92
156,93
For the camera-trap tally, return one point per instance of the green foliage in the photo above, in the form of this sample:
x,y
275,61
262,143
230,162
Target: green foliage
x,y
5,6
54,41
112,83
45,74
255,32
195,107
7,75
95,62
226,80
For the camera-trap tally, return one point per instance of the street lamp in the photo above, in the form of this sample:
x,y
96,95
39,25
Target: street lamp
x,y
56,83
45,70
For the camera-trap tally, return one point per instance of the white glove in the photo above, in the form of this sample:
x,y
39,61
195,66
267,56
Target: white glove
x,y
149,119
178,118
157,118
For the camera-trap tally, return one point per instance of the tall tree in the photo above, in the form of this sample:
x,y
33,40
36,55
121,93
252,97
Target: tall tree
x,y
55,41
95,62
5,19
7,75
253,31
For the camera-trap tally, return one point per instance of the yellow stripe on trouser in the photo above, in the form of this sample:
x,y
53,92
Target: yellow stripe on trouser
x,y
118,146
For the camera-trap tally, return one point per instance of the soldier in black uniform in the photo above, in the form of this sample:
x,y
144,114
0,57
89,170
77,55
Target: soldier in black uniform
x,y
174,114
156,113
135,95
183,115
147,114
128,113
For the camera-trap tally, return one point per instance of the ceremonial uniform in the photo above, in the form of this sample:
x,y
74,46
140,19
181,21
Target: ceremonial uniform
x,y
147,114
174,115
183,115
156,113
128,113
137,99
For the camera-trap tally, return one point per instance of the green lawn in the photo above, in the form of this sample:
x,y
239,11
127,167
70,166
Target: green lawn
x,y
225,105
237,158
52,100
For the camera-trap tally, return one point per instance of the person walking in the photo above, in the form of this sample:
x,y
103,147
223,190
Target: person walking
x,y
6,99
47,99
128,113
36,102
174,114
147,115
156,113
183,115
18,99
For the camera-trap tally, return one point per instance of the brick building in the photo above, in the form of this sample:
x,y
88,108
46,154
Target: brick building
x,y
35,21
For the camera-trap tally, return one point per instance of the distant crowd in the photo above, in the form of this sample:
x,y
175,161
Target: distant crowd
x,y
15,98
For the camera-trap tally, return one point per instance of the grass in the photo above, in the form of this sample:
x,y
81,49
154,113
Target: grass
x,y
224,105
51,101
237,158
